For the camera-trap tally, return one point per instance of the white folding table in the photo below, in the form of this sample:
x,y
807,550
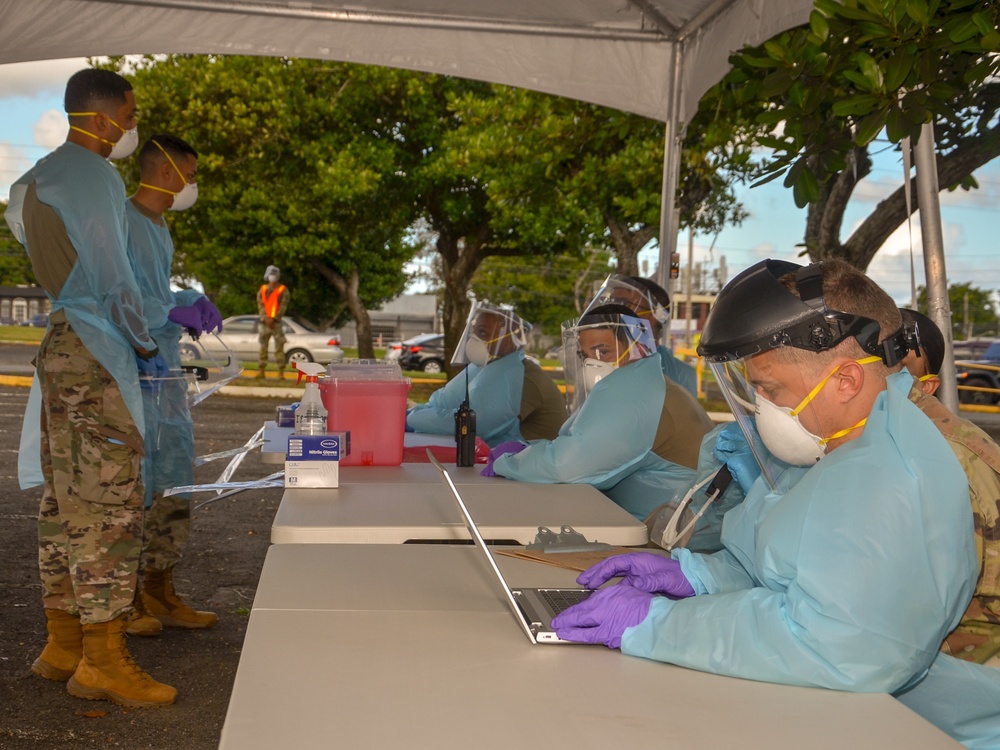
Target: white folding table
x,y
393,512
410,646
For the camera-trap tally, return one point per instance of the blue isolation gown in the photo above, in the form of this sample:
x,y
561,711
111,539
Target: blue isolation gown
x,y
169,431
848,577
100,297
607,439
680,372
494,394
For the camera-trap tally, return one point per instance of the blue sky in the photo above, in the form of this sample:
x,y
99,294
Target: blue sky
x,y
33,123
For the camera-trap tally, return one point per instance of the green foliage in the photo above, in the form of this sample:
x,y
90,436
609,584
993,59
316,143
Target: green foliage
x,y
973,310
15,268
300,165
858,68
545,292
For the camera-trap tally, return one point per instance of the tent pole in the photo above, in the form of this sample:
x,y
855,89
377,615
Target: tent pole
x,y
938,304
669,221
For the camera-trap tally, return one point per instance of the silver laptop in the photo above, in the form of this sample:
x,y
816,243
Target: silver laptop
x,y
533,609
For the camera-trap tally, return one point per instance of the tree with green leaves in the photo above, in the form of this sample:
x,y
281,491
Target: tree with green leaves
x,y
818,96
546,291
974,310
301,165
15,267
597,172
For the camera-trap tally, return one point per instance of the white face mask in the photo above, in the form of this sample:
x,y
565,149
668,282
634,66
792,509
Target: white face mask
x,y
594,370
477,352
126,145
784,435
186,197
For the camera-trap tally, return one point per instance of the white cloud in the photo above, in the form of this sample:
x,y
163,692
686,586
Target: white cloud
x,y
13,163
50,129
38,77
891,265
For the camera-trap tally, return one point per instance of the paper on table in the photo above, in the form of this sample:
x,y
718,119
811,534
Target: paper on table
x,y
571,560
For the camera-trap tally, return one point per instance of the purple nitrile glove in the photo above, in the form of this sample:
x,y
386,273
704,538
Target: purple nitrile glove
x,y
604,616
645,571
187,316
506,448
211,319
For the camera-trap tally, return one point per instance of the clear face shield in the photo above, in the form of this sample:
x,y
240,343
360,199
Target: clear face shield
x,y
620,290
595,345
741,396
491,332
207,364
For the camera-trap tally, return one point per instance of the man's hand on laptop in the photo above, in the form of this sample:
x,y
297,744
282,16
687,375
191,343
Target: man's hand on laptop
x,y
645,571
604,616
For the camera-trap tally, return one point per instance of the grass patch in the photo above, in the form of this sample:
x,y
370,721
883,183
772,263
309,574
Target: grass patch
x,y
21,334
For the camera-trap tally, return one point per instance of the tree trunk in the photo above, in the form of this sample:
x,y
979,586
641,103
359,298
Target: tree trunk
x,y
348,291
891,213
627,243
460,257
825,219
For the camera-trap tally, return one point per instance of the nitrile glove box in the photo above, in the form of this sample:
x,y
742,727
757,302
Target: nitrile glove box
x,y
314,460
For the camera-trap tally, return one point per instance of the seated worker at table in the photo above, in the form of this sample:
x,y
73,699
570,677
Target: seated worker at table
x,y
851,572
512,397
977,637
630,419
650,301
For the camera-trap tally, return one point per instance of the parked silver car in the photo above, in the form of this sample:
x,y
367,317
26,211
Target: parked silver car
x,y
303,342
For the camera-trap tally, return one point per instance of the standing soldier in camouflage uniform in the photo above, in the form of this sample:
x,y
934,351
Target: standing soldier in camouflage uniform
x,y
69,212
167,171
272,302
977,637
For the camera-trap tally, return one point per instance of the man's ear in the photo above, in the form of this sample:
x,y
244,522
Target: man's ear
x,y
850,380
931,385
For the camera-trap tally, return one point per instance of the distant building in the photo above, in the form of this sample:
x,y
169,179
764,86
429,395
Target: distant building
x,y
20,303
397,320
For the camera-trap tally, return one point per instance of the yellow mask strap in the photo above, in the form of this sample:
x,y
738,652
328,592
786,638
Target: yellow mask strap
x,y
154,187
819,386
924,378
87,132
172,164
841,433
625,354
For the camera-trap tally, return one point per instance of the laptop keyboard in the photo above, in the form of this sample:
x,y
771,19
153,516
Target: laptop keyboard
x,y
561,599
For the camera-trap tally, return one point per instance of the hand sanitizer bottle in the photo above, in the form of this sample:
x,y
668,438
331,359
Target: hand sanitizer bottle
x,y
310,417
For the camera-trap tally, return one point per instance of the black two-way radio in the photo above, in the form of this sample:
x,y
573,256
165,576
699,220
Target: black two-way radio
x,y
465,430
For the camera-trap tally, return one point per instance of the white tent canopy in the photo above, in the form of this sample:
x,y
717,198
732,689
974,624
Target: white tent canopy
x,y
632,55
652,57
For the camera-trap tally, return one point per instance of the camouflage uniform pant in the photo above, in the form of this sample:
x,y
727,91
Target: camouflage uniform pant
x,y
264,336
90,520
167,527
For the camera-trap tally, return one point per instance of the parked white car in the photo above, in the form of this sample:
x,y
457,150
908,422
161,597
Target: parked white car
x,y
303,342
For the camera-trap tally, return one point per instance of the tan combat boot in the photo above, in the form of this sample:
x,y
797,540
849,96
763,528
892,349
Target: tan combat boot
x,y
163,603
140,621
62,652
107,672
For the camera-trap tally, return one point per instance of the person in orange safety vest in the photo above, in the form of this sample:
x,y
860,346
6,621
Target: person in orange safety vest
x,y
272,301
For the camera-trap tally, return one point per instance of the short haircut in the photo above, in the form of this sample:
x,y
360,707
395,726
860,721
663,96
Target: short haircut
x,y
930,337
849,290
150,155
94,90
